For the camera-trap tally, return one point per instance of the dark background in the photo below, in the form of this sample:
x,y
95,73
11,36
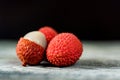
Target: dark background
x,y
88,19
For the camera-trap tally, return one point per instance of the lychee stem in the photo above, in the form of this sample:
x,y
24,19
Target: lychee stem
x,y
24,64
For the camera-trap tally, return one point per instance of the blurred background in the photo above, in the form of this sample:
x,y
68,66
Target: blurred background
x,y
88,19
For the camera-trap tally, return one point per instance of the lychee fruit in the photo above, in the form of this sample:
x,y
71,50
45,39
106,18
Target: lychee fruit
x,y
64,50
30,48
49,32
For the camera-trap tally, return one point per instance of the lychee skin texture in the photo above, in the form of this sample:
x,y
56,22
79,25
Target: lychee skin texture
x,y
64,50
29,52
49,32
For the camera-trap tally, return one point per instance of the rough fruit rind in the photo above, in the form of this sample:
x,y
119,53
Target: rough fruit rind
x,y
49,32
29,52
64,49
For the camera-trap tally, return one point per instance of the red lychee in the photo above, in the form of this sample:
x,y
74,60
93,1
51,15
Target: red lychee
x,y
49,32
64,49
30,48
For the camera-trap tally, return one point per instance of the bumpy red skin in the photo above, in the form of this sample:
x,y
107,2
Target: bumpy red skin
x,y
49,32
64,50
29,52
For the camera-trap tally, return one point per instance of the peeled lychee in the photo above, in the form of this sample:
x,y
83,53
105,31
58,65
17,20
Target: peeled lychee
x,y
49,32
30,48
64,50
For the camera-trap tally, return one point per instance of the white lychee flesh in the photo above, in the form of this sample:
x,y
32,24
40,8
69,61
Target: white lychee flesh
x,y
37,37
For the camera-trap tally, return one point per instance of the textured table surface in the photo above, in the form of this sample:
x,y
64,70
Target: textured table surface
x,y
99,61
